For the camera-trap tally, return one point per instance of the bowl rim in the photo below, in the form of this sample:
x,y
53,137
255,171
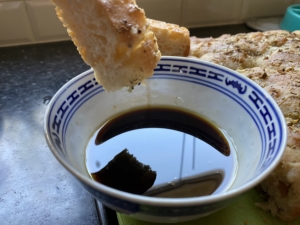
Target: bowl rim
x,y
169,202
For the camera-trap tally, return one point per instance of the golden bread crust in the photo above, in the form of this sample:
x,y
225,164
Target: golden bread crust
x,y
172,39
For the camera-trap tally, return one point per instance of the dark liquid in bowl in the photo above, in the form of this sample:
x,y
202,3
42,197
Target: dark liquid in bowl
x,y
192,157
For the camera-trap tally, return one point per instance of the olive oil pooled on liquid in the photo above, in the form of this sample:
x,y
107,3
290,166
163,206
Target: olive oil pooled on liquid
x,y
189,155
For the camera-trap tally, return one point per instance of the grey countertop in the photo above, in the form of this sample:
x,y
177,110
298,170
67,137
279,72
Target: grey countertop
x,y
34,187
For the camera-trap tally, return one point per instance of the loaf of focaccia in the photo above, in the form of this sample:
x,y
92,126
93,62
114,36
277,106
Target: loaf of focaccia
x,y
271,59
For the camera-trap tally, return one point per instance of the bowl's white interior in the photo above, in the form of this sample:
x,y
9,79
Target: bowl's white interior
x,y
210,103
234,103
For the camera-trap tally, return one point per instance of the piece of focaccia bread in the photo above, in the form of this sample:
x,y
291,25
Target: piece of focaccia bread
x,y
172,39
113,37
271,59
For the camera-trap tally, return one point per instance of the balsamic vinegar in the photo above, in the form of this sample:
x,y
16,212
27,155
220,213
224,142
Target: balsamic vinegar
x,y
190,155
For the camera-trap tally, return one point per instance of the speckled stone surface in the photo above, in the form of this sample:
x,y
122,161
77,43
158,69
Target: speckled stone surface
x,y
34,187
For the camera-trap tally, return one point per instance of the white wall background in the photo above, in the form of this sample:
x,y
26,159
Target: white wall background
x,y
35,21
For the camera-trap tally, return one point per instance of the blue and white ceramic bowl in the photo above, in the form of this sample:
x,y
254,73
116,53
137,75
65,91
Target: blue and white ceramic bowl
x,y
233,102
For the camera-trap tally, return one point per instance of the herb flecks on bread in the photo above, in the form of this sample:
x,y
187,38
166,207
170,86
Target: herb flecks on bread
x,y
113,37
272,60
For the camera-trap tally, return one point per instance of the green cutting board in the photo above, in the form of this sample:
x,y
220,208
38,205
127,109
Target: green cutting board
x,y
241,212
